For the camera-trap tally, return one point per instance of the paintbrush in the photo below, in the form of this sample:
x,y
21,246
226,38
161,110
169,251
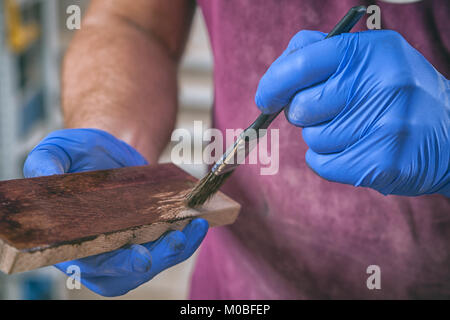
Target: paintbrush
x,y
248,139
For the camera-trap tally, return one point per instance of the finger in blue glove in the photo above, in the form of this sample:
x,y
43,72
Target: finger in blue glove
x,y
79,150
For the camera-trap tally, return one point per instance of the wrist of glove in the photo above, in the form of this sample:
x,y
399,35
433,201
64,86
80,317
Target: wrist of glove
x,y
114,273
374,112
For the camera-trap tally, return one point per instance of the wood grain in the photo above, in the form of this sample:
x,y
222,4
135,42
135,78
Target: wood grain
x,y
48,220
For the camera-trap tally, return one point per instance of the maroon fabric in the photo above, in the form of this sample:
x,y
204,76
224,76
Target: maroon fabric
x,y
299,236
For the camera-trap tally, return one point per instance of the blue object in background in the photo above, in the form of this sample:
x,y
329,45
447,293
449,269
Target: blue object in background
x,y
36,287
33,113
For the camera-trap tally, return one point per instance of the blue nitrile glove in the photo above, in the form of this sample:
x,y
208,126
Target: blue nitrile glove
x,y
114,273
374,111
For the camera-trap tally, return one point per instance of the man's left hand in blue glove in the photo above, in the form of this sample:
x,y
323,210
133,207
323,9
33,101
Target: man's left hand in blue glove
x,y
117,272
375,113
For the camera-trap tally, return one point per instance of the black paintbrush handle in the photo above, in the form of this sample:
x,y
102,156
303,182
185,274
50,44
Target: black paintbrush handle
x,y
348,21
264,121
345,25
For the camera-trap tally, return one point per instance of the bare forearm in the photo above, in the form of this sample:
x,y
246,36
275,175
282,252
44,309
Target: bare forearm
x,y
122,80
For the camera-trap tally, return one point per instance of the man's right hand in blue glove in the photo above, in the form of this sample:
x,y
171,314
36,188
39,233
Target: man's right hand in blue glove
x,y
374,112
114,273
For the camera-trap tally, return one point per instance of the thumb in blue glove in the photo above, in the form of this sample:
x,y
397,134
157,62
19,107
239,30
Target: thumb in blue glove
x,y
375,113
114,273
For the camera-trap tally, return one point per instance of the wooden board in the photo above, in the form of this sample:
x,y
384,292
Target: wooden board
x,y
48,220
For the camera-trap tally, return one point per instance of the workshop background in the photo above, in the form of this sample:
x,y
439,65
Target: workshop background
x,y
33,40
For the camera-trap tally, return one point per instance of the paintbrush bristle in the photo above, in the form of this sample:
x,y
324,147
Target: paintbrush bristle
x,y
205,189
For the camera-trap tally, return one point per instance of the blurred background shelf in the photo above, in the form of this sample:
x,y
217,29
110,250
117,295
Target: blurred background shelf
x,y
29,87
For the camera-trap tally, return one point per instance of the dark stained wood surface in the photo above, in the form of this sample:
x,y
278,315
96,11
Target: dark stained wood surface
x,y
41,213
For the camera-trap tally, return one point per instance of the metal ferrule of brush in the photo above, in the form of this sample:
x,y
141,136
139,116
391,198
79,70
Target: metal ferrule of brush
x,y
245,143
237,153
